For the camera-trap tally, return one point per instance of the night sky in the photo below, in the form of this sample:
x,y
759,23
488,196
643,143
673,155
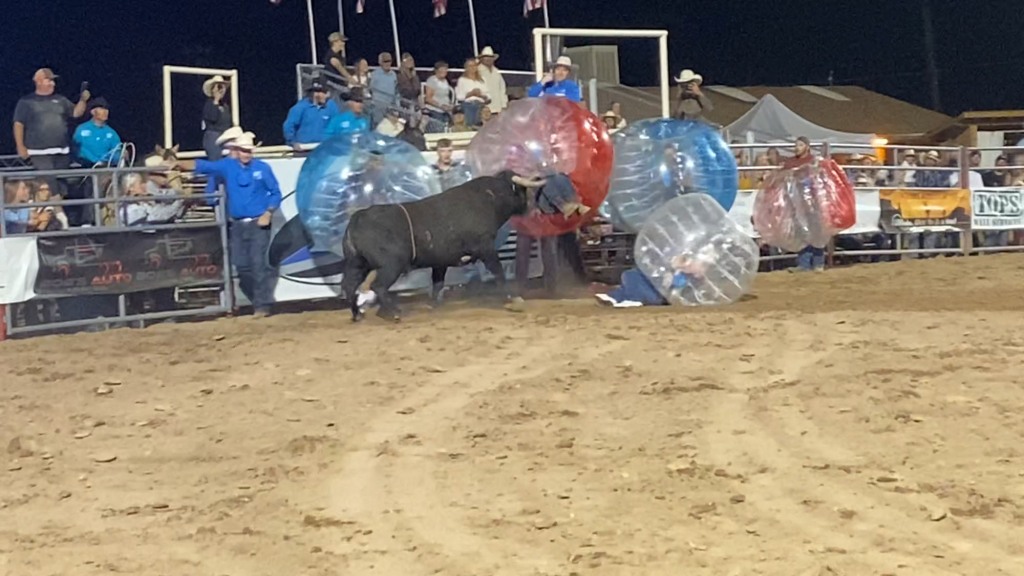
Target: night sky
x,y
119,47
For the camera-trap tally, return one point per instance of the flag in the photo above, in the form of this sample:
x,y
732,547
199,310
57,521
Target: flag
x,y
359,6
529,5
440,8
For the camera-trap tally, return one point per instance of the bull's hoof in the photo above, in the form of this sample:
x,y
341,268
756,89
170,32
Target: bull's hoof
x,y
516,304
389,315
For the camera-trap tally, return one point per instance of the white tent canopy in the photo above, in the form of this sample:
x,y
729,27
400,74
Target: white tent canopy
x,y
770,121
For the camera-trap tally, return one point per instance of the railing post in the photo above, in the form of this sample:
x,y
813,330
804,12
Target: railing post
x,y
967,236
593,96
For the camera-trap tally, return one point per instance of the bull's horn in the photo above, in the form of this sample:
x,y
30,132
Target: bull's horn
x,y
537,183
570,208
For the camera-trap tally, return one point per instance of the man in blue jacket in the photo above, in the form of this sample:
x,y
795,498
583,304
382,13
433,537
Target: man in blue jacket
x,y
308,119
557,82
253,195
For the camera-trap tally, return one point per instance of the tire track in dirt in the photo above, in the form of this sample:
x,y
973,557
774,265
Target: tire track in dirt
x,y
780,439
399,488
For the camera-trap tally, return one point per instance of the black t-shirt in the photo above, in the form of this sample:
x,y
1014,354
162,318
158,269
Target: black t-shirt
x,y
327,61
45,119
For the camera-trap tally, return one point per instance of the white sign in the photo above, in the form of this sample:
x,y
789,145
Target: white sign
x,y
997,208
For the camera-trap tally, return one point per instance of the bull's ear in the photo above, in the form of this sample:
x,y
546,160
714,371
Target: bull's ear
x,y
175,148
158,149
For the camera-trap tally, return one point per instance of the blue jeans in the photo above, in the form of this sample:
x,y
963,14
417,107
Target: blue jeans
x,y
636,287
472,112
248,249
810,258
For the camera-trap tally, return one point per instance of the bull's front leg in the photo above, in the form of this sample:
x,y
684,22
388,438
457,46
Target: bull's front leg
x,y
437,277
514,300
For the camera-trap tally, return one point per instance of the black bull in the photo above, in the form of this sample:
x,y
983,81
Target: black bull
x,y
453,228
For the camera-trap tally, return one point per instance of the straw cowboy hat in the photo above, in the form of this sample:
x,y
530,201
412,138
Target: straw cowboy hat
x,y
156,161
487,52
229,134
610,114
689,76
563,61
208,85
246,141
932,154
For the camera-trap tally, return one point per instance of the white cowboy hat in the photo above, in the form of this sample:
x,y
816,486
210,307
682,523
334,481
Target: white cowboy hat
x,y
155,161
246,141
487,51
564,61
934,155
689,76
208,85
229,135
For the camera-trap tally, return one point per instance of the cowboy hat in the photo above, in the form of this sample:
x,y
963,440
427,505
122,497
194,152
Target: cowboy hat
x,y
354,95
934,155
156,161
245,142
229,135
337,36
563,61
487,52
99,102
316,86
209,83
609,114
688,75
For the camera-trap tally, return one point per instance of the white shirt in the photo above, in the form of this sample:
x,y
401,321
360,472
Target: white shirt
x,y
496,88
464,86
973,178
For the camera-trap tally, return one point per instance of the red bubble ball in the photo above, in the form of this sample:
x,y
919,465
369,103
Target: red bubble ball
x,y
538,137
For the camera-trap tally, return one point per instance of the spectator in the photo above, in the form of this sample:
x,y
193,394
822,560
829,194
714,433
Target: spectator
x,y
408,81
334,60
41,123
352,120
471,92
485,115
997,177
42,193
493,80
445,163
610,120
933,177
224,141
438,95
392,125
383,87
18,220
253,196
557,82
975,178
693,104
308,119
362,74
41,128
154,210
216,115
96,142
459,121
907,175
617,109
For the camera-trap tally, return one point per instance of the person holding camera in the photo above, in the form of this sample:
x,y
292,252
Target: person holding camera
x,y
216,115
693,104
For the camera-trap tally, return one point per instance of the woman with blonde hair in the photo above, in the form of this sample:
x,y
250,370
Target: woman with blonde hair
x,y
471,92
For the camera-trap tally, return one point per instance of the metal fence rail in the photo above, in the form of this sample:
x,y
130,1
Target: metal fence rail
x,y
113,195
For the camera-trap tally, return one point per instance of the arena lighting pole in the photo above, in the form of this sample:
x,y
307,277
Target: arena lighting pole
x,y
312,30
394,30
472,25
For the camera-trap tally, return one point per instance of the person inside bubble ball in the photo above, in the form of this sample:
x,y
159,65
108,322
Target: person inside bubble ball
x,y
636,290
809,258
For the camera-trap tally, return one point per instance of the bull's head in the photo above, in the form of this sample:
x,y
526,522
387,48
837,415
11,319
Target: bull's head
x,y
551,194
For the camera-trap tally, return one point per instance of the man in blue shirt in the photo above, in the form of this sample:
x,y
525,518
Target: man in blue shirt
x,y
352,120
557,82
383,87
252,197
95,141
308,119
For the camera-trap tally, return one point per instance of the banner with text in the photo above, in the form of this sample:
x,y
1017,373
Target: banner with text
x,y
119,262
919,209
997,208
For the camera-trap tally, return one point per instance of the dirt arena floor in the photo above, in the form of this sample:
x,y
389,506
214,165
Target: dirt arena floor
x,y
864,421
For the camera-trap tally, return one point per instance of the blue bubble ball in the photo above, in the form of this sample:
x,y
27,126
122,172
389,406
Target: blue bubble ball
x,y
350,172
659,159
